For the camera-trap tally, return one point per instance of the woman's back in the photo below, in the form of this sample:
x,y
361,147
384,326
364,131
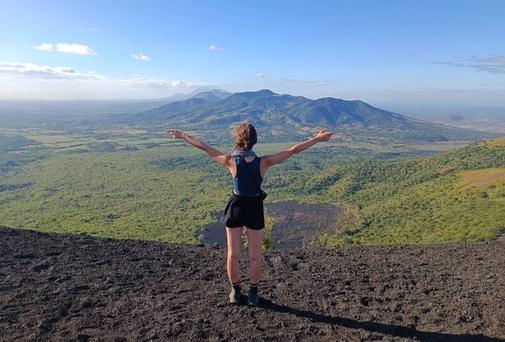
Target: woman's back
x,y
247,180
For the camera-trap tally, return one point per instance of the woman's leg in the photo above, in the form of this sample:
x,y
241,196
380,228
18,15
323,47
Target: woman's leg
x,y
234,242
254,242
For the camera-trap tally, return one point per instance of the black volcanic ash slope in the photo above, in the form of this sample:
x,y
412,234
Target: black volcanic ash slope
x,y
72,287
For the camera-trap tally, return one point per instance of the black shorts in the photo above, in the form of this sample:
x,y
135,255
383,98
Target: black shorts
x,y
243,211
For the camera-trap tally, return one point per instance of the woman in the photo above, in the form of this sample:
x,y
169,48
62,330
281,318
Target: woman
x,y
245,207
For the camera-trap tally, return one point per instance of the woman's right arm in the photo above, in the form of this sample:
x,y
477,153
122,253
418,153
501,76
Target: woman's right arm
x,y
220,157
277,158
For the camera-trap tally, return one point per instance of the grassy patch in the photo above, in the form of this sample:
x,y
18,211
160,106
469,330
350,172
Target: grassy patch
x,y
49,138
496,142
481,178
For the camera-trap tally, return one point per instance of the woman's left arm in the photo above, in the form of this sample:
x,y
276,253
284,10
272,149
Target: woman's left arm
x,y
220,157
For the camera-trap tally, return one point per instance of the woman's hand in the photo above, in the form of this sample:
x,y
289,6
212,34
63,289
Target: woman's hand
x,y
176,133
324,135
220,157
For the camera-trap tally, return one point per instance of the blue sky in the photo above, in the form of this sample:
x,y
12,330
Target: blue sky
x,y
398,52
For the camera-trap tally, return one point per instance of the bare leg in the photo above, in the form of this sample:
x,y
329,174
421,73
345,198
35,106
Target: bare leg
x,y
234,242
254,242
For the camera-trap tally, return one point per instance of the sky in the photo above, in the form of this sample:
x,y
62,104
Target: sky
x,y
397,52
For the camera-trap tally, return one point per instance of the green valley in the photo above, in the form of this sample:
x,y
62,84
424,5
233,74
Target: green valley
x,y
164,190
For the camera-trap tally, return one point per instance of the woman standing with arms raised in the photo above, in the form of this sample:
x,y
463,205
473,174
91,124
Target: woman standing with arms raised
x,y
245,206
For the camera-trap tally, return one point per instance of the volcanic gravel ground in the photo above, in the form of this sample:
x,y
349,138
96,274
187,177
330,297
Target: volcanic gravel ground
x,y
56,287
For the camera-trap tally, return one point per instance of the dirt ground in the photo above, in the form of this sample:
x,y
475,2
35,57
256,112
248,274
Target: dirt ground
x,y
57,287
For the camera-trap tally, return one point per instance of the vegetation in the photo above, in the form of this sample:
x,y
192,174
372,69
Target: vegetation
x,y
140,185
456,196
127,187
286,117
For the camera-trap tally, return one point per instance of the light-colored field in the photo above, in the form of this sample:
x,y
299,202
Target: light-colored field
x,y
480,178
441,145
126,130
134,141
8,130
55,139
48,138
497,142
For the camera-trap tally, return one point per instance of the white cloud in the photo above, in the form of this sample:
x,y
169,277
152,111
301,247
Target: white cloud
x,y
141,56
260,75
77,49
20,80
213,47
44,47
148,82
31,70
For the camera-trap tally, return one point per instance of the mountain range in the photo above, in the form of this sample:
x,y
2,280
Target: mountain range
x,y
287,116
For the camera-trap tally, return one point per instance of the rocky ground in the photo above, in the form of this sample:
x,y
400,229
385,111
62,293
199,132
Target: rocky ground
x,y
73,287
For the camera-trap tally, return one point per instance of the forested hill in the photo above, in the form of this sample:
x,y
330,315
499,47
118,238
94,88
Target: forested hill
x,y
454,196
285,115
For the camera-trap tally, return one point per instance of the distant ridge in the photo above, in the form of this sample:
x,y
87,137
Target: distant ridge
x,y
287,115
212,95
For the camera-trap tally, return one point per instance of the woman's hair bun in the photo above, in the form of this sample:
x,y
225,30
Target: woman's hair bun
x,y
245,136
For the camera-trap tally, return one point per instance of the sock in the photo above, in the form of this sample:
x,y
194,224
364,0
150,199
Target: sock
x,y
236,285
254,287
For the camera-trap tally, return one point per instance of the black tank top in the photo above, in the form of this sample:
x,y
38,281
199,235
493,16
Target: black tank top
x,y
248,178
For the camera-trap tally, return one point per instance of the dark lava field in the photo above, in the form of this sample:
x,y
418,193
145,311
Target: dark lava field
x,y
56,287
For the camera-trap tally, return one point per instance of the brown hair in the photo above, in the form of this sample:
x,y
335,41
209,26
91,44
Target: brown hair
x,y
245,136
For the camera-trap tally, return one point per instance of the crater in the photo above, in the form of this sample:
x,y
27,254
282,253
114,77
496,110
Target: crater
x,y
295,224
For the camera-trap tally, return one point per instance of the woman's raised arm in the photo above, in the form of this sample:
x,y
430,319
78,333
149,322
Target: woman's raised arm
x,y
220,157
277,158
